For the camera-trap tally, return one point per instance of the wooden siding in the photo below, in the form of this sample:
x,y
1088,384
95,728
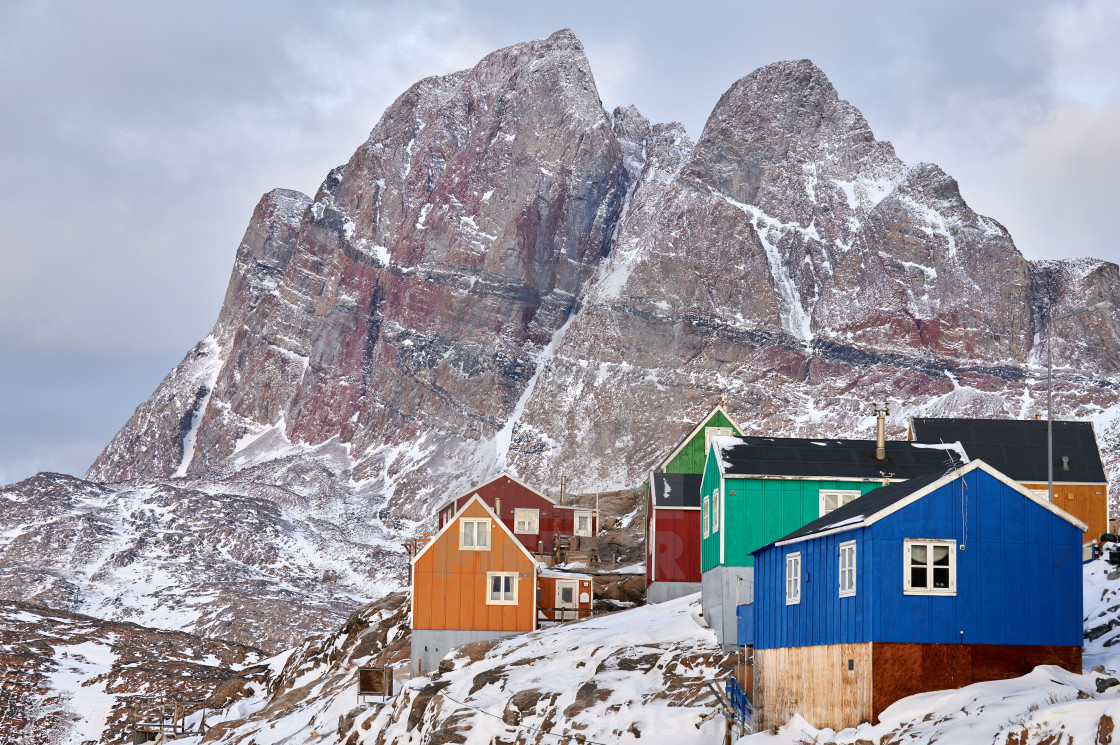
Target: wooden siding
x,y
1018,577
822,617
814,682
553,519
450,590
1087,502
761,511
677,546
691,458
901,670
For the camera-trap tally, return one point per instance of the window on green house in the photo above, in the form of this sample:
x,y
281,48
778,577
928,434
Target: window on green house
x,y
704,517
830,499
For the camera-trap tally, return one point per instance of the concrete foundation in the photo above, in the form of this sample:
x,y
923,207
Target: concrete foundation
x,y
722,590
429,646
660,592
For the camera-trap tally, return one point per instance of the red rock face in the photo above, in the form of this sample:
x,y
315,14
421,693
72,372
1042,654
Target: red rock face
x,y
504,274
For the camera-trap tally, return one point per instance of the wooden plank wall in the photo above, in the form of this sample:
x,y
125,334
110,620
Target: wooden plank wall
x,y
1087,502
814,682
901,670
677,543
450,586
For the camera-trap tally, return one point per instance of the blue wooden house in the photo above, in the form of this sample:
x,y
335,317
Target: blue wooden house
x,y
937,582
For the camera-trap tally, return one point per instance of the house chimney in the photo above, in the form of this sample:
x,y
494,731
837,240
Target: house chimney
x,y
881,431
563,496
1038,417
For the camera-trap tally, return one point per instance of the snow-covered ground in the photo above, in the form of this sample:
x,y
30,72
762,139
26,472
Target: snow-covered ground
x,y
635,676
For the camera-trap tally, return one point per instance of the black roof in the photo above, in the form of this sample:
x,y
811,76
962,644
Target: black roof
x,y
1018,447
676,489
869,504
822,457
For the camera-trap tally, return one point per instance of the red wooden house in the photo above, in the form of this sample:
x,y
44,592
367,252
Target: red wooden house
x,y
533,518
673,511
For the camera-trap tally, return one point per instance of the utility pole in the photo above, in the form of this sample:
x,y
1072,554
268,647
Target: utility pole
x,y
1049,393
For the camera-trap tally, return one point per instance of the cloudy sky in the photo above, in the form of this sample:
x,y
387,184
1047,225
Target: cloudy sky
x,y
136,137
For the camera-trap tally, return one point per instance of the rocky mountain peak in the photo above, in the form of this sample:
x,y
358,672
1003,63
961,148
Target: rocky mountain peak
x,y
505,275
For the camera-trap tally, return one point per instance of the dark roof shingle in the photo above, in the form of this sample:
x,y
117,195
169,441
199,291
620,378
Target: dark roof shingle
x,y
822,457
1018,447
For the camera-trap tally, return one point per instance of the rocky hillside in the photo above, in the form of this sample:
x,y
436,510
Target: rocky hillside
x,y
68,678
215,563
621,677
505,274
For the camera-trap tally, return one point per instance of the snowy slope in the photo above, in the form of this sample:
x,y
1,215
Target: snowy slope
x,y
633,676
219,564
637,676
74,679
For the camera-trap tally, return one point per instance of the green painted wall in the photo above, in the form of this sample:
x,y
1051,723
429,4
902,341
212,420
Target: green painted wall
x,y
760,511
691,458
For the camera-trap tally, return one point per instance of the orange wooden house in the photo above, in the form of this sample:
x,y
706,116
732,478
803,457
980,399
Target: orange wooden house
x,y
473,581
1017,448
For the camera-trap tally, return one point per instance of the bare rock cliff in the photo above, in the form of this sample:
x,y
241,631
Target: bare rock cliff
x,y
506,275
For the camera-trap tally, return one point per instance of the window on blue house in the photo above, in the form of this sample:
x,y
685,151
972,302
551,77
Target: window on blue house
x,y
793,579
847,569
930,567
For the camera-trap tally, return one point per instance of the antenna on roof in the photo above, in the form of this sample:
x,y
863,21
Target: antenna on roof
x,y
954,467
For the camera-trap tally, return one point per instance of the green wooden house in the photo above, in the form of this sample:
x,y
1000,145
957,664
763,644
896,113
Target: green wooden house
x,y
757,489
673,511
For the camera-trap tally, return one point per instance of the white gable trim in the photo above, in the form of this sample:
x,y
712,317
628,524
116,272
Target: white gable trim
x,y
948,478
695,431
503,474
455,519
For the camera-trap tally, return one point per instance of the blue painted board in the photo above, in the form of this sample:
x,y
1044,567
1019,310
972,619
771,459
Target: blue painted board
x,y
1018,576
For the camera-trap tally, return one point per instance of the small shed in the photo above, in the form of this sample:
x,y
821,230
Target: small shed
x,y
937,582
564,596
473,581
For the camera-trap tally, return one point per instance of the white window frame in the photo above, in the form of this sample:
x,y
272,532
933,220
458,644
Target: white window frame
x,y
590,523
843,496
468,524
715,510
847,569
793,578
705,517
929,543
531,518
509,598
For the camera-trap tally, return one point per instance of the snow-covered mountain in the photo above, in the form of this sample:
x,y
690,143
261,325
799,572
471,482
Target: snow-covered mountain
x,y
226,565
505,274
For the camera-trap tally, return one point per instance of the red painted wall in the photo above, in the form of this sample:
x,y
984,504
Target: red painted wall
x,y
676,544
552,520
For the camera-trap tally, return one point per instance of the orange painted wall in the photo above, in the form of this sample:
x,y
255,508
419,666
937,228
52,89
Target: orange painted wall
x,y
450,585
1087,502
